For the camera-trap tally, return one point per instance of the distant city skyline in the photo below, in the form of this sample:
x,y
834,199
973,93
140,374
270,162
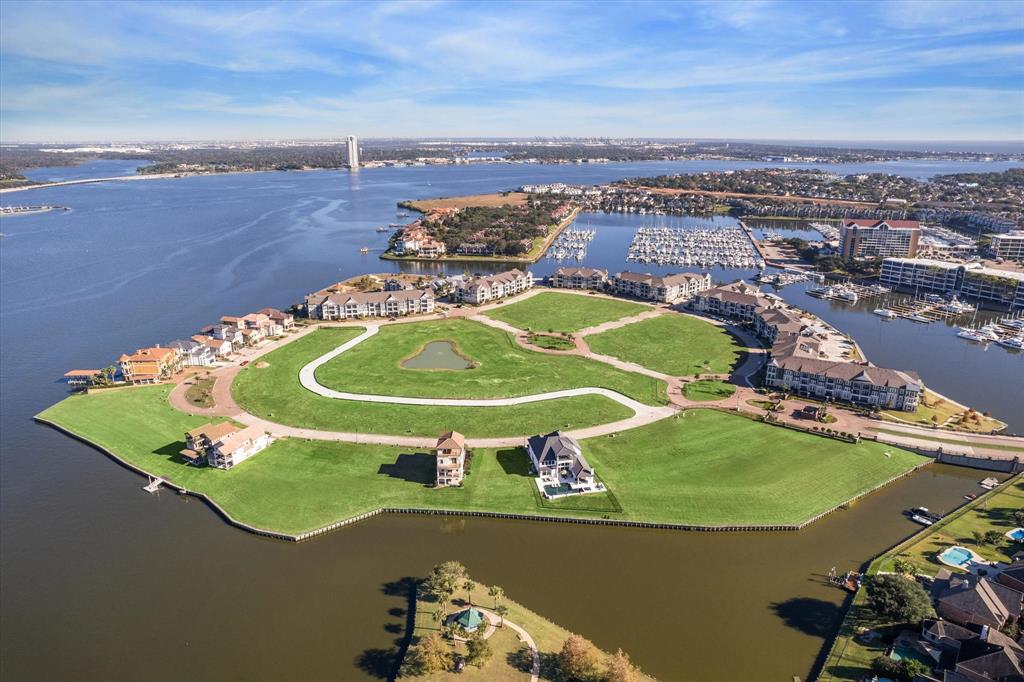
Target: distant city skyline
x,y
757,70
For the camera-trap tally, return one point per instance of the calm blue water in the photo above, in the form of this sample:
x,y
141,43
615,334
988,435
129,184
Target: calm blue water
x,y
99,168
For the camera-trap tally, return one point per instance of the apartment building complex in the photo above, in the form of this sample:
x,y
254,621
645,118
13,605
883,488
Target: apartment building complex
x,y
579,278
333,304
1010,245
667,289
492,287
860,238
998,288
737,301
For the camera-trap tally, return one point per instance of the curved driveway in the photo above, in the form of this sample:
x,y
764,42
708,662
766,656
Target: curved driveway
x,y
307,377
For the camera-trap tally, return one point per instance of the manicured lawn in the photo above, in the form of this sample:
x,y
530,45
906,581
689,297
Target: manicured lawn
x,y
678,345
706,466
935,410
708,389
552,311
510,660
551,342
502,369
274,392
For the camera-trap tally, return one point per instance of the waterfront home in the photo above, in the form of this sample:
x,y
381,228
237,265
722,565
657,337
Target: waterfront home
x,y
339,305
738,301
395,284
850,382
81,378
560,465
450,455
252,336
235,447
149,365
667,289
224,332
431,248
493,287
221,347
199,440
867,238
970,599
193,353
579,278
973,654
285,321
1012,576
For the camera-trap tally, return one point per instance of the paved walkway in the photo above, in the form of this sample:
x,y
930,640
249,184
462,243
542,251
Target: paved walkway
x,y
492,622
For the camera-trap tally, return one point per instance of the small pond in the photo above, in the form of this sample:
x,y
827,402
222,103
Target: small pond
x,y
437,355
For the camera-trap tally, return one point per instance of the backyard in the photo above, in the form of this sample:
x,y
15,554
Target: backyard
x,y
274,392
678,345
500,367
553,311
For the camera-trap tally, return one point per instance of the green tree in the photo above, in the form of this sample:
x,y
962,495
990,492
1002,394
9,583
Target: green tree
x,y
502,611
496,593
579,660
468,587
979,537
898,598
621,669
993,537
431,655
443,580
904,566
478,649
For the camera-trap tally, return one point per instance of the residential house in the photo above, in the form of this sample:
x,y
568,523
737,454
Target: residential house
x,y
340,305
431,248
492,287
579,278
193,353
974,653
667,289
229,333
149,365
252,336
235,447
560,465
221,347
200,440
1012,576
395,284
284,320
969,599
450,454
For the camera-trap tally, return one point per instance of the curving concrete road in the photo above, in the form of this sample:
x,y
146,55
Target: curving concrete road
x,y
307,377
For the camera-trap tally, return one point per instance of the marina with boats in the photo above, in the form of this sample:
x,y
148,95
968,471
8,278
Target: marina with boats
x,y
725,247
571,244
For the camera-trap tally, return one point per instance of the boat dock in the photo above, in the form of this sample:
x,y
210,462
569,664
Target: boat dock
x,y
153,485
927,311
848,292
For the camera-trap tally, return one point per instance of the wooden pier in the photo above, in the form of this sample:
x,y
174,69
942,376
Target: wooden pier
x,y
153,485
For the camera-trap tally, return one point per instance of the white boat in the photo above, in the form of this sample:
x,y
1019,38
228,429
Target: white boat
x,y
971,335
848,296
923,520
1013,322
918,317
820,292
1015,342
885,313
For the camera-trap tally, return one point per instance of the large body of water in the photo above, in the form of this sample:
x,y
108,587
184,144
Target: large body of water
x,y
101,580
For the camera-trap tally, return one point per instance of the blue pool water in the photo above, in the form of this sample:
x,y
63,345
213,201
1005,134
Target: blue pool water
x,y
956,556
1017,534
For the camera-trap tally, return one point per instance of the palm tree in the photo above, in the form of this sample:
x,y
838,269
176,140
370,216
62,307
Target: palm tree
x,y
468,587
496,593
502,611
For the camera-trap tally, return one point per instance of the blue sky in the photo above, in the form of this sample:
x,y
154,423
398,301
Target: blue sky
x,y
902,70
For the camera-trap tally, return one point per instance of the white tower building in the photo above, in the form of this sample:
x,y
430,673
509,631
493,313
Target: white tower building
x,y
353,152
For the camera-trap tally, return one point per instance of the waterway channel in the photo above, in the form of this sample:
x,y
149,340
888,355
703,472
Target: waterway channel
x,y
100,580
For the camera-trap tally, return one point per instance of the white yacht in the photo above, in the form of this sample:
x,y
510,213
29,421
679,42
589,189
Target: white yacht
x,y
1015,342
885,313
848,295
971,335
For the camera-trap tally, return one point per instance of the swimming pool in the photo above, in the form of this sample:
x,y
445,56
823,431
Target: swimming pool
x,y
1016,534
956,556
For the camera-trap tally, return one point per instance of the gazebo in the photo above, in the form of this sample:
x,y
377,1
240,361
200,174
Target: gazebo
x,y
469,619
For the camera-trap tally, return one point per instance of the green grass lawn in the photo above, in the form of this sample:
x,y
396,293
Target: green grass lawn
x,y
708,389
274,392
551,342
705,468
711,467
502,368
560,312
933,410
678,345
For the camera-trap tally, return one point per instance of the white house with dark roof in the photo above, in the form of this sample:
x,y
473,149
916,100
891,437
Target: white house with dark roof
x,y
560,465
193,353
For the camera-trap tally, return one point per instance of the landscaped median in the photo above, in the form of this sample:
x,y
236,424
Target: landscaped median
x,y
702,468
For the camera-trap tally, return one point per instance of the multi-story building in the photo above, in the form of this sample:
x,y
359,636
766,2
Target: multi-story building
x,y
237,446
737,301
450,453
579,278
353,152
1010,245
149,365
667,289
332,304
774,324
860,238
997,288
193,353
285,320
860,384
492,287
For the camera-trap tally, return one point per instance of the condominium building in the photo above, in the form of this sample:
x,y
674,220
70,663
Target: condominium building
x,y
332,304
861,238
579,278
737,301
860,384
667,289
492,287
1010,245
353,152
998,288
450,453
